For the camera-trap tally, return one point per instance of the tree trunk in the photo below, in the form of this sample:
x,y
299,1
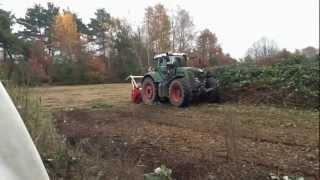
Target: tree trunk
x,y
4,55
10,65
173,37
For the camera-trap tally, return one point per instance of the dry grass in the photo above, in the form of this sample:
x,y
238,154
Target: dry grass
x,y
84,96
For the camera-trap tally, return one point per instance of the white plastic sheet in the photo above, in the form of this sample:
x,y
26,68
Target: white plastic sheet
x,y
19,158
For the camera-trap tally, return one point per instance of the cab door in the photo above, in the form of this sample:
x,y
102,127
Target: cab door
x,y
162,64
163,71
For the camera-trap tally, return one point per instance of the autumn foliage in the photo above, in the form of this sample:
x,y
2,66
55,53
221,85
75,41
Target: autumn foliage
x,y
97,69
39,62
67,37
208,52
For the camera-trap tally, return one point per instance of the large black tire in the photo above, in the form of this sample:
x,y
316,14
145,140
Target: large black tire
x,y
180,92
149,91
214,95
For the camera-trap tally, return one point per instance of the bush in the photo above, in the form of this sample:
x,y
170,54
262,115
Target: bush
x,y
22,75
65,71
96,70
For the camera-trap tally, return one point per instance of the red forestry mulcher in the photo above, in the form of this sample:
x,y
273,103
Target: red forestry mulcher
x,y
136,88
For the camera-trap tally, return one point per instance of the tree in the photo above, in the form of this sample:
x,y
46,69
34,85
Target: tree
x,y
123,53
6,36
37,24
149,33
99,27
182,31
263,48
158,28
9,42
66,35
39,62
207,48
310,52
140,49
279,56
81,27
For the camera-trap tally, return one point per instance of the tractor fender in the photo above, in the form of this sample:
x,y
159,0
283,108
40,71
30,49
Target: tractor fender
x,y
176,77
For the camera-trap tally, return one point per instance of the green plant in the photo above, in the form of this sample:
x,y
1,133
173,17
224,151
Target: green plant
x,y
160,173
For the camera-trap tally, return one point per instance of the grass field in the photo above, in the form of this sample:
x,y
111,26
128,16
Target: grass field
x,y
85,96
203,141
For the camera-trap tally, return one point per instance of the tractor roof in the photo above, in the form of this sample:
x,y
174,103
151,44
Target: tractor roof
x,y
168,54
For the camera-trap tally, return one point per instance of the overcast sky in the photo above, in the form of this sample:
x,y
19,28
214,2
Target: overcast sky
x,y
293,24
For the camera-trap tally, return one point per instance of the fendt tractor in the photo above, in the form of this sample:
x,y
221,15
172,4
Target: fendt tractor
x,y
171,79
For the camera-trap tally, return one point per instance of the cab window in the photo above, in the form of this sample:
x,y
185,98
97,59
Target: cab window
x,y
162,61
178,61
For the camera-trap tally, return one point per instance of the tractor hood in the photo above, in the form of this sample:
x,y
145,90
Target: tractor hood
x,y
192,71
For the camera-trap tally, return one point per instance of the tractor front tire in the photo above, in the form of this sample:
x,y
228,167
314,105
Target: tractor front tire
x,y
180,92
214,95
149,91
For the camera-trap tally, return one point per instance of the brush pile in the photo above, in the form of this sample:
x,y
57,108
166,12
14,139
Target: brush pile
x,y
293,81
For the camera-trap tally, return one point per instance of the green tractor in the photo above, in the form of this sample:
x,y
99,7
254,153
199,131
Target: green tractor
x,y
171,79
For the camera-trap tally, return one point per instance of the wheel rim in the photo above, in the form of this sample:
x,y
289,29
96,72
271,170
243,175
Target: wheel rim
x,y
176,93
148,91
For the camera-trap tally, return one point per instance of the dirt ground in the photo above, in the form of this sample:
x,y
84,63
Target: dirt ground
x,y
204,141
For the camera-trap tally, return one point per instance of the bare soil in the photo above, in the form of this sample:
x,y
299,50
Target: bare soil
x,y
204,141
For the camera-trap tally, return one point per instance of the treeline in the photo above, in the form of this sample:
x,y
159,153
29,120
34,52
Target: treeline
x,y
53,45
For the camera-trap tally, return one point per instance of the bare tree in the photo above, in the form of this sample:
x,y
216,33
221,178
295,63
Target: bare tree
x,y
263,48
182,31
310,51
158,28
207,47
148,17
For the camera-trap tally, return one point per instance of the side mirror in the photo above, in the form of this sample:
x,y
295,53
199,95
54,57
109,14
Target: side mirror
x,y
185,57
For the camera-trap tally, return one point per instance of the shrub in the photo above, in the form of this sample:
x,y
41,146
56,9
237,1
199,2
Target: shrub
x,y
39,62
66,71
96,69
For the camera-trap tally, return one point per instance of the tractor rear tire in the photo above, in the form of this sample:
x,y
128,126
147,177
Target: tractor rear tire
x,y
214,95
149,91
180,92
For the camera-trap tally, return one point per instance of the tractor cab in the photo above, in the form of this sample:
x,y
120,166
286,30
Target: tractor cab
x,y
170,60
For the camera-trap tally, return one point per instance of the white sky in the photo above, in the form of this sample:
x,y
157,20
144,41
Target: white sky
x,y
293,24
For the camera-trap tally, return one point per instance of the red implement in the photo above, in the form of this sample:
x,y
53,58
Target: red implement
x,y
136,95
136,89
